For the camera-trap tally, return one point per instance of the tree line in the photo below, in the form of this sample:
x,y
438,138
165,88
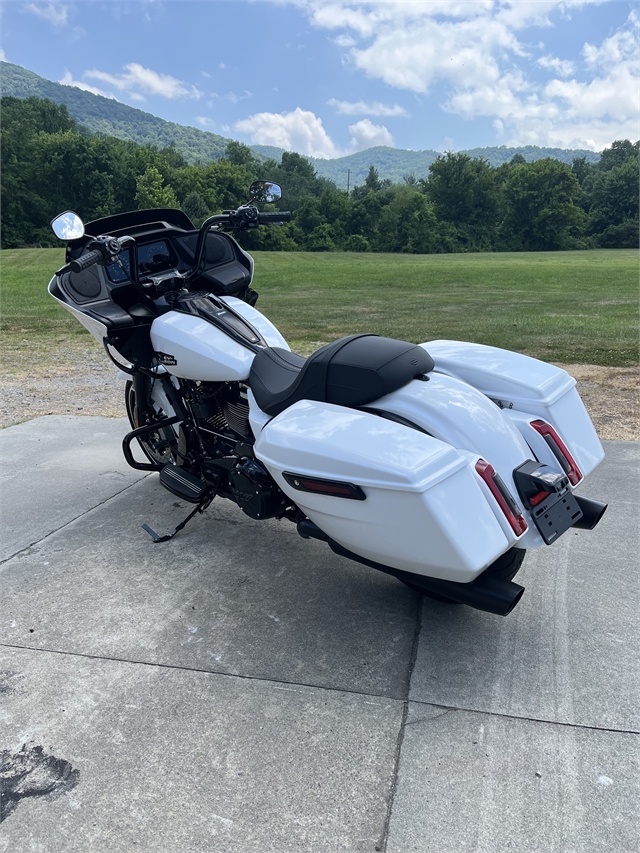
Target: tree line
x,y
51,164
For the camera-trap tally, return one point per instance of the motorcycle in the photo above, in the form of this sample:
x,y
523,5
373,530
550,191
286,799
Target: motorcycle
x,y
439,463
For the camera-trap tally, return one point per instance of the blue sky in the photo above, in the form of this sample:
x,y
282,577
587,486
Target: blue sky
x,y
329,77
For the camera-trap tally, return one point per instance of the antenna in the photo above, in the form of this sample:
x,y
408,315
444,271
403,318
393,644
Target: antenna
x,y
348,181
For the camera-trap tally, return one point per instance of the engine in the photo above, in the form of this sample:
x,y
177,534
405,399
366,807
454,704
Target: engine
x,y
254,490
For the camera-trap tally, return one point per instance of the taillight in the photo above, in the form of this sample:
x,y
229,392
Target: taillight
x,y
559,450
503,496
538,498
324,487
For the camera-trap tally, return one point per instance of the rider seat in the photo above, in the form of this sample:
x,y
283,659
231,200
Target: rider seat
x,y
351,371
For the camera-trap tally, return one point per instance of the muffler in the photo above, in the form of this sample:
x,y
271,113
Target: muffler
x,y
491,594
592,512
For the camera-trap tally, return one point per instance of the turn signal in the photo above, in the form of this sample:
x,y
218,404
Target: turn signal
x,y
559,450
503,496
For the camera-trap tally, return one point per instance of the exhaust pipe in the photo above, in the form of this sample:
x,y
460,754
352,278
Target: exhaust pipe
x,y
592,512
487,593
493,595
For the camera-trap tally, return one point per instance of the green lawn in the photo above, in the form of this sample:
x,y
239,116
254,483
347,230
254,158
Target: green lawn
x,y
560,306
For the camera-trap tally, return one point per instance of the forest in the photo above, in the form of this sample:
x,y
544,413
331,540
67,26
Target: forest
x,y
51,164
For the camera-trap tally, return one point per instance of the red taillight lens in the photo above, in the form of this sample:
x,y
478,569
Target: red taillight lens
x,y
504,498
536,499
324,487
559,450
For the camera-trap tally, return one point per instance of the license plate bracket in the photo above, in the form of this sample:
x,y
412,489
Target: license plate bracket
x,y
556,515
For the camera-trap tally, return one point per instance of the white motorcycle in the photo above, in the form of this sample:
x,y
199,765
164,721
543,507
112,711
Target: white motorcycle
x,y
439,464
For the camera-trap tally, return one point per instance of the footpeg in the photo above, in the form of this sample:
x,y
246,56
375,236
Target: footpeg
x,y
181,483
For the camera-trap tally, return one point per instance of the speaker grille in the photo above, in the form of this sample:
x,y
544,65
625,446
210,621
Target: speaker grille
x,y
84,285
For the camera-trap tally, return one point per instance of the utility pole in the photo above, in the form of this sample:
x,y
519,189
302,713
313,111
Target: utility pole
x,y
348,181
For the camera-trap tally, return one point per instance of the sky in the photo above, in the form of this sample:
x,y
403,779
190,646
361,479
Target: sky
x,y
327,78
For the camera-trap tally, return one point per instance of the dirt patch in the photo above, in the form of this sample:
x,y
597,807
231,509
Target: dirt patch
x,y
612,398
77,379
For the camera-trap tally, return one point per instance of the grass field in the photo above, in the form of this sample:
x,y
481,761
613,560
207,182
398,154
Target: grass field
x,y
566,307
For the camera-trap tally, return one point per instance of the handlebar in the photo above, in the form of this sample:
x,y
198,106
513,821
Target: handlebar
x,y
274,217
243,218
86,261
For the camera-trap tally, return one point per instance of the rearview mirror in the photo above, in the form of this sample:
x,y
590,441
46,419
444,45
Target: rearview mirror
x,y
264,192
68,226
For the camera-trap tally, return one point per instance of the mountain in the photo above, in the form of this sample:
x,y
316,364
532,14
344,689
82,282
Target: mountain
x,y
391,163
111,118
397,163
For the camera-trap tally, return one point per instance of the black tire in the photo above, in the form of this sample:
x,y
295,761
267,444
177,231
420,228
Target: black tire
x,y
506,567
156,446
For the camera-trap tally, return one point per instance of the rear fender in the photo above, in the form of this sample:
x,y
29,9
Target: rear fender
x,y
460,415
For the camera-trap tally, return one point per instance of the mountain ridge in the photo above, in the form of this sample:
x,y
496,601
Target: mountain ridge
x,y
110,117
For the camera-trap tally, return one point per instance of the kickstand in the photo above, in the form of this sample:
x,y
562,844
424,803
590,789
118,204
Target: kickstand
x,y
200,508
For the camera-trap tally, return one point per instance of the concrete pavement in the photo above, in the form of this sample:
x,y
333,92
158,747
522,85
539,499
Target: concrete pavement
x,y
241,689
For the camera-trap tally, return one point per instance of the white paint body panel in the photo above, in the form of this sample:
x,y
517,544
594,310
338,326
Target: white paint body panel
x,y
201,350
455,413
425,510
257,418
97,329
527,385
204,352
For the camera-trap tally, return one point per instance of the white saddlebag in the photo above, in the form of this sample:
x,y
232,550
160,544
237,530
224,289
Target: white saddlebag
x,y
424,510
526,389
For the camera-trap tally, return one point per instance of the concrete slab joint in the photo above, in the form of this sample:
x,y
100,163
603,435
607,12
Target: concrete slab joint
x,y
239,689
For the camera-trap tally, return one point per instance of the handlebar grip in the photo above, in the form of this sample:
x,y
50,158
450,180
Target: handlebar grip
x,y
85,261
275,216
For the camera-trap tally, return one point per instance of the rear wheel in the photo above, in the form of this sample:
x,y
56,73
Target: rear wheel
x,y
158,445
506,567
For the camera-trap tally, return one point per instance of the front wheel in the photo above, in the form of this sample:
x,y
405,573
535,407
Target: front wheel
x,y
506,567
157,446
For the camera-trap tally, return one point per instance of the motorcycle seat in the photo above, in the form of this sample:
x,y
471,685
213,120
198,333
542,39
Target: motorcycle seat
x,y
351,371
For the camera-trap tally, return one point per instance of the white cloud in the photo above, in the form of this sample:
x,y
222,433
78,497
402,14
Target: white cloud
x,y
563,67
68,80
139,81
621,47
56,15
3,56
302,131
476,51
299,130
362,108
203,121
615,95
345,41
457,52
365,134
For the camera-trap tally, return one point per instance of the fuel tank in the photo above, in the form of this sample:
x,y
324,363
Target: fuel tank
x,y
191,347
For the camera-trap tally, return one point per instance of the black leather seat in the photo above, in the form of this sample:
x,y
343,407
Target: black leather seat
x,y
352,371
